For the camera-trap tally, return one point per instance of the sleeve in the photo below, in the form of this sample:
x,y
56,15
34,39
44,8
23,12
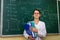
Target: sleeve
x,y
42,31
25,34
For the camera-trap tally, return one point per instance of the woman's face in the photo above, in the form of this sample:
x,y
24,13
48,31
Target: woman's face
x,y
36,14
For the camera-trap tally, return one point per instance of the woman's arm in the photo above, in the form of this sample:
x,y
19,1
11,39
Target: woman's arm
x,y
28,36
25,34
42,31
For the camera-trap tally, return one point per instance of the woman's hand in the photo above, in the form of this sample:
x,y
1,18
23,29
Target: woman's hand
x,y
31,38
33,29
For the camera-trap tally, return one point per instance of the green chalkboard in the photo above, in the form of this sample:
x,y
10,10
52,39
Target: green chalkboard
x,y
18,12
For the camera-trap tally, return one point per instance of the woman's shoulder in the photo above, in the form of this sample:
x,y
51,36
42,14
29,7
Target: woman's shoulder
x,y
29,22
42,22
39,21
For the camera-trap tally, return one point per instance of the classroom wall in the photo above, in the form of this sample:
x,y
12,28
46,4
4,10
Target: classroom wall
x,y
48,37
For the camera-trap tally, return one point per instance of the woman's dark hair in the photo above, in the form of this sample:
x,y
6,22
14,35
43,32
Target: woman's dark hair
x,y
36,10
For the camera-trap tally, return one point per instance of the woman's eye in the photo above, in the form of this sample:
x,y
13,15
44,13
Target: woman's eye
x,y
36,13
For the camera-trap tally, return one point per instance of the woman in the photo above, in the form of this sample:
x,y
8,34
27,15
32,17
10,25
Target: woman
x,y
39,29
